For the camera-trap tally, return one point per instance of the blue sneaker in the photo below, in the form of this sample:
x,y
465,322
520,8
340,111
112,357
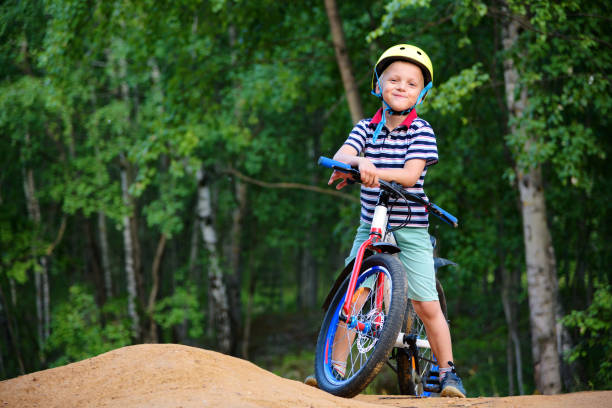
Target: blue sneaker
x,y
451,385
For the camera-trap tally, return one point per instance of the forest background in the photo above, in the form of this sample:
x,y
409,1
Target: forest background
x,y
158,178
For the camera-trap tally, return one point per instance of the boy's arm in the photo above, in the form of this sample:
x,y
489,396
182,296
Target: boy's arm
x,y
407,176
348,154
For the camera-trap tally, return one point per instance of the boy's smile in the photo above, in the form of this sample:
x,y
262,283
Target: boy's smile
x,y
401,82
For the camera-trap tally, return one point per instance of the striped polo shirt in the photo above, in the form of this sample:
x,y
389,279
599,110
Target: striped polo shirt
x,y
412,139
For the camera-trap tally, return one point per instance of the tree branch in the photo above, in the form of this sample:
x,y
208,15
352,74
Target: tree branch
x,y
297,186
60,235
526,24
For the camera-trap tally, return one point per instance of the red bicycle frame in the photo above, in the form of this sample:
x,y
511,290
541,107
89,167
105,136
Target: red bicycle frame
x,y
378,224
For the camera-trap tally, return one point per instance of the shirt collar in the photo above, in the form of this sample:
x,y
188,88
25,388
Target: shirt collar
x,y
407,122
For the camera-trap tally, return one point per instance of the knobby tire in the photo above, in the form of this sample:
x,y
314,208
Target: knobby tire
x,y
362,366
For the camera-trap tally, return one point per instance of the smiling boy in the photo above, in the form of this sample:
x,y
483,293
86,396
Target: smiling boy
x,y
396,145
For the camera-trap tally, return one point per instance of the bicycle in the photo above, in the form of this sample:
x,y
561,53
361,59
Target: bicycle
x,y
367,315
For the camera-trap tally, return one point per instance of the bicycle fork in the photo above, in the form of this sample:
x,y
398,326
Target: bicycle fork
x,y
379,223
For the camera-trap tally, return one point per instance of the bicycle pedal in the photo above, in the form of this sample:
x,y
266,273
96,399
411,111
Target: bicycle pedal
x,y
432,380
432,388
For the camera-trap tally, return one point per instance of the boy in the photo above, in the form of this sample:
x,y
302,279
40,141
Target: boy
x,y
398,146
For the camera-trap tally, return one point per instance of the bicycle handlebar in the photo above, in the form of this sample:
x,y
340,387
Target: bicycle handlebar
x,y
392,186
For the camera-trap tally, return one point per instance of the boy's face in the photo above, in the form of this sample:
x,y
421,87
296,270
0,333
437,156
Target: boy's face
x,y
401,82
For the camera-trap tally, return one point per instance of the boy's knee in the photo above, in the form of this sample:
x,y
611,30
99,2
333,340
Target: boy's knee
x,y
427,310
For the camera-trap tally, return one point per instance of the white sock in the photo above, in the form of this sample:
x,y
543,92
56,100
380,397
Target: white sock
x,y
443,371
340,367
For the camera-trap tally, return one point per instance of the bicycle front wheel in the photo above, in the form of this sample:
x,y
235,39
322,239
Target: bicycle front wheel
x,y
413,373
350,354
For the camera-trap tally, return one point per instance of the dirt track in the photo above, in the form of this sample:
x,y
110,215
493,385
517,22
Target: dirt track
x,y
168,375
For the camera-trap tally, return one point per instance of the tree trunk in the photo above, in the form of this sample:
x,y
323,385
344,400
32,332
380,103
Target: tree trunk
x,y
182,328
246,336
236,232
133,266
235,250
137,251
541,283
514,359
539,254
506,302
193,251
159,254
307,296
344,63
103,237
41,279
12,331
92,255
161,245
129,253
217,292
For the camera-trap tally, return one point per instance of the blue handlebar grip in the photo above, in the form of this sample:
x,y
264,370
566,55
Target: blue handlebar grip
x,y
448,217
326,162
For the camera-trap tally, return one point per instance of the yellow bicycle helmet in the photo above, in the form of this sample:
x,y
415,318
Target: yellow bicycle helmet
x,y
403,52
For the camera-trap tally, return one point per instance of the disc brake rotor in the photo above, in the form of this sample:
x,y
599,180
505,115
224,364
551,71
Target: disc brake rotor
x,y
366,341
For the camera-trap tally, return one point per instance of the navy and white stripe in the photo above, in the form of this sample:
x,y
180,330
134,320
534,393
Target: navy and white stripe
x,y
413,139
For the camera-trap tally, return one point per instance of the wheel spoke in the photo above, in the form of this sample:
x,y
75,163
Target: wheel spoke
x,y
361,345
362,340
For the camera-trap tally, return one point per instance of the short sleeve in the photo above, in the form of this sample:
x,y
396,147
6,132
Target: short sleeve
x,y
357,137
422,143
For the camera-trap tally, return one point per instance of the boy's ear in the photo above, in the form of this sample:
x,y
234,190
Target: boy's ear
x,y
377,90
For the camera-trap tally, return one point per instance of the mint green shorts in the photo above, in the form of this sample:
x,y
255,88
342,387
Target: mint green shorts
x,y
416,256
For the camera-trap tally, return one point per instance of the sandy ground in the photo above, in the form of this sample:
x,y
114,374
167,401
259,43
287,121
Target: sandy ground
x,y
169,375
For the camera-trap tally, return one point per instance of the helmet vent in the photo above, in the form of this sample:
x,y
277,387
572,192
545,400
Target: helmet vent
x,y
402,48
419,52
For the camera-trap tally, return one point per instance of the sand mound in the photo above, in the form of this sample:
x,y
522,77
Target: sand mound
x,y
169,375
162,375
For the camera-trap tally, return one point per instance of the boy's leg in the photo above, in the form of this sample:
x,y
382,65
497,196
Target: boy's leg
x,y
437,329
417,258
343,340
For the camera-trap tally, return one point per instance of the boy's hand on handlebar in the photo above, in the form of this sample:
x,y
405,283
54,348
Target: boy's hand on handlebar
x,y
338,175
368,172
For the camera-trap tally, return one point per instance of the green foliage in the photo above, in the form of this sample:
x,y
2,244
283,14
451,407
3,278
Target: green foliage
x,y
392,8
594,327
159,89
180,308
78,332
20,251
561,68
453,94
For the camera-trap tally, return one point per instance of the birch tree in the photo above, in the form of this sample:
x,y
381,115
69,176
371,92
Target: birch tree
x,y
128,247
41,277
104,254
537,133
216,285
539,253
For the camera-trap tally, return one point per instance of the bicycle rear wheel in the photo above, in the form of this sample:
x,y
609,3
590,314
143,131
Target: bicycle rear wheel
x,y
362,351
413,373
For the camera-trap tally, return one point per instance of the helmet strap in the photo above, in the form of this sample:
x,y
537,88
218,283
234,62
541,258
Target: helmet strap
x,y
422,94
383,118
390,110
379,94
